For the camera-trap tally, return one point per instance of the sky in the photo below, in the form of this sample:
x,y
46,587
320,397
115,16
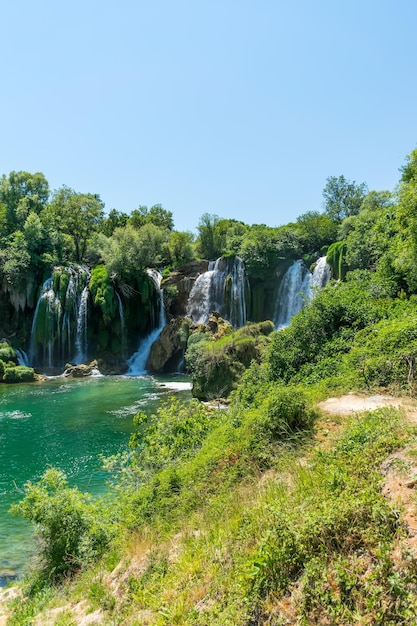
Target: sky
x,y
236,108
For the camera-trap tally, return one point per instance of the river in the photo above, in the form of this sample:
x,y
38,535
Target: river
x,y
65,423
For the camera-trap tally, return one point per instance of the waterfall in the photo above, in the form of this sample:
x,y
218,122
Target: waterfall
x,y
81,336
122,321
59,326
138,360
320,276
222,288
297,287
294,288
22,357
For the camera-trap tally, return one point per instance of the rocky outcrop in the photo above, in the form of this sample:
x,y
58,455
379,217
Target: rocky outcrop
x,y
168,351
178,284
82,370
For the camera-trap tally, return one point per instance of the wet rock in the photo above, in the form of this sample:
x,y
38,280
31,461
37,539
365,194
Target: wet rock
x,y
168,351
82,370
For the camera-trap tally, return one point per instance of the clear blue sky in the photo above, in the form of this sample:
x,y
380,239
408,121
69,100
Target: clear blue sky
x,y
234,107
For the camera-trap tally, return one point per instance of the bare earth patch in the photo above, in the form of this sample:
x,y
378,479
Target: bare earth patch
x,y
352,403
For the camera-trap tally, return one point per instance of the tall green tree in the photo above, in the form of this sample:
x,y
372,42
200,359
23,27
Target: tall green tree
x,y
114,220
156,215
180,248
209,245
316,230
342,197
20,194
131,250
77,215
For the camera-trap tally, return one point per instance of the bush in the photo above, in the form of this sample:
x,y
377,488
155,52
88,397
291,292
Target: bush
x,y
7,353
18,374
72,530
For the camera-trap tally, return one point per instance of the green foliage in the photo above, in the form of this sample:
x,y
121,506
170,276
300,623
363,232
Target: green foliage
x,y
156,215
326,326
174,433
102,292
316,230
216,366
179,248
385,355
336,259
209,244
18,374
335,513
20,194
15,260
342,198
371,232
71,528
129,251
76,215
114,220
7,353
263,247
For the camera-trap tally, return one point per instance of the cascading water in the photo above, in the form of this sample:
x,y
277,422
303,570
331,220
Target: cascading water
x,y
297,287
122,322
22,357
59,327
137,362
294,288
321,275
81,336
222,288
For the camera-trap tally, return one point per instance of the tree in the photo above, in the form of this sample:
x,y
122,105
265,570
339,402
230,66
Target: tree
x,y
77,215
15,259
316,230
263,247
156,215
129,250
409,170
208,244
371,231
180,248
20,194
114,220
342,197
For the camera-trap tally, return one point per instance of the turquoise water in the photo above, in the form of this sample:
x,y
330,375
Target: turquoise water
x,y
63,423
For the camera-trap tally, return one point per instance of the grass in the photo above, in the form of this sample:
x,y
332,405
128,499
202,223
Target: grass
x,y
307,540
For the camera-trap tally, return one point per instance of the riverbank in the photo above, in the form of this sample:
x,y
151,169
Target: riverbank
x,y
66,423
338,501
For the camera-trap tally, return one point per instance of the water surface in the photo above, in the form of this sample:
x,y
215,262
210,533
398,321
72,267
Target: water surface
x,y
64,423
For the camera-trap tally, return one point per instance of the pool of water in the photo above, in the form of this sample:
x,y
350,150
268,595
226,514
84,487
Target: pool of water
x,y
65,423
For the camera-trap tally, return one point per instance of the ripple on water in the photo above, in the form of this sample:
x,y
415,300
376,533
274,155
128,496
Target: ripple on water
x,y
124,411
15,415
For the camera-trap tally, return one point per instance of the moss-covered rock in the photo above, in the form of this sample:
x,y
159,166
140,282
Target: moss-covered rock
x,y
216,360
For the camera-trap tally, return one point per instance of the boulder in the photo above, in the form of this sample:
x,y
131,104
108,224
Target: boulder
x,y
168,351
80,371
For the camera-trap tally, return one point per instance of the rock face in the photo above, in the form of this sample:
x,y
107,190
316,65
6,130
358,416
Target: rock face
x,y
168,351
178,285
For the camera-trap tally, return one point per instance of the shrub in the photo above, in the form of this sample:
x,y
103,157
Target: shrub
x,y
18,374
71,528
7,353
